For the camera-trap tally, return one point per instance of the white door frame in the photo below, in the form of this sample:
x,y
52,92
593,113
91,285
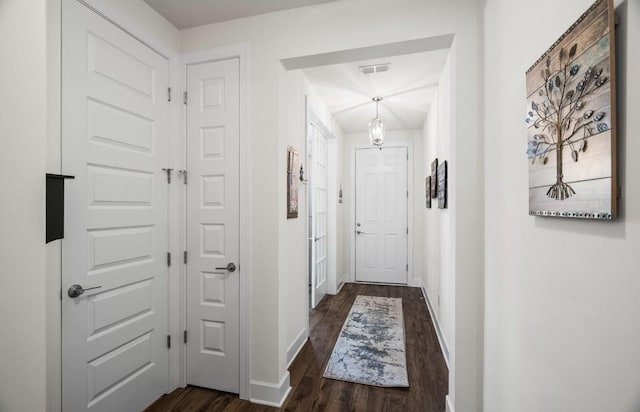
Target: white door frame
x,y
313,120
352,212
177,294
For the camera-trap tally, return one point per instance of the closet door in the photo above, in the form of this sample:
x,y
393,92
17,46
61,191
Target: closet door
x,y
114,255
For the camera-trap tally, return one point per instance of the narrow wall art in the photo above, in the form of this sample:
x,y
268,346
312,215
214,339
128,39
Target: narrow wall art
x,y
442,185
427,191
292,183
571,121
434,178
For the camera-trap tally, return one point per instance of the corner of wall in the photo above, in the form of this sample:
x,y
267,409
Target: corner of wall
x,y
265,393
415,282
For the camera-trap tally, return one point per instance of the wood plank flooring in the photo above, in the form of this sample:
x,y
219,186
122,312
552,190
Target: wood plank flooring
x,y
428,374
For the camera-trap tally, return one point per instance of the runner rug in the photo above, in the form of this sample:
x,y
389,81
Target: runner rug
x,y
370,348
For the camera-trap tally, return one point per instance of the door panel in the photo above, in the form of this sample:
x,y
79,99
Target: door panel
x,y
114,128
319,215
213,223
381,215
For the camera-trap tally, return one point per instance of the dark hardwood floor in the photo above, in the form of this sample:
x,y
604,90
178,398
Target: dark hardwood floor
x,y
428,374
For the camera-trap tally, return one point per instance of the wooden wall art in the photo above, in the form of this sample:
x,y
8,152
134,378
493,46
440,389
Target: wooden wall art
x,y
442,185
571,121
292,183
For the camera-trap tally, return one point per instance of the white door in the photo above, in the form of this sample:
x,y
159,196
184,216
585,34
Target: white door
x,y
319,216
213,224
381,215
114,141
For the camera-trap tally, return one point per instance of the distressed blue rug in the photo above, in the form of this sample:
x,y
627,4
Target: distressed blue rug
x,y
371,348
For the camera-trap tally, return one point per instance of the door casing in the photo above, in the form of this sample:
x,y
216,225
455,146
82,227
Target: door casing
x,y
352,208
312,202
334,279
177,295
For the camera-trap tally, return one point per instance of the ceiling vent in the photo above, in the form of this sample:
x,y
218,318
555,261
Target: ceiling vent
x,y
375,68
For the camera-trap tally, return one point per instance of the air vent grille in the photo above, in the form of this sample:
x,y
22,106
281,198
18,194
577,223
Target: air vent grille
x,y
375,68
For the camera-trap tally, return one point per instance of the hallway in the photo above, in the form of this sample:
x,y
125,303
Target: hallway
x,y
428,374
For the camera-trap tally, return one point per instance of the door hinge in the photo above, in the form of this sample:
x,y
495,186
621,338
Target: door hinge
x,y
168,341
183,173
185,98
407,267
407,230
169,259
407,156
407,193
168,94
184,335
168,174
184,257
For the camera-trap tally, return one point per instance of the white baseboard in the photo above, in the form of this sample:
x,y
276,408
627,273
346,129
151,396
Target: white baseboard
x,y
296,346
270,394
436,325
449,405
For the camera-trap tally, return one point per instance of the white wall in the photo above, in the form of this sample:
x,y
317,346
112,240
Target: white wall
x,y
293,256
340,26
342,218
23,134
53,252
438,277
413,139
562,307
294,273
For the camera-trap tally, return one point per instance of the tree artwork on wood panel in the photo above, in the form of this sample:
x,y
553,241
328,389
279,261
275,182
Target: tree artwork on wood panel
x,y
571,144
564,117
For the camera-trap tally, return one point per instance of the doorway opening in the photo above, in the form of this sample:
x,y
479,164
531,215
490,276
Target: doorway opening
x,y
395,244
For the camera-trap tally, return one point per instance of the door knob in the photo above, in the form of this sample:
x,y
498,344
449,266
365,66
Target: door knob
x,y
358,232
229,268
77,290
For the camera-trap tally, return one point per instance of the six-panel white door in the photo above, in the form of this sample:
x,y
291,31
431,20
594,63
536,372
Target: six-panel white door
x,y
114,141
213,225
381,215
319,216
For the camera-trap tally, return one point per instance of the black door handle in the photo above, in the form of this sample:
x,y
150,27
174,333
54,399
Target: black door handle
x,y
229,268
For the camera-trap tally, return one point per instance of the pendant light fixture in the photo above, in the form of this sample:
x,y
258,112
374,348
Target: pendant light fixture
x,y
376,127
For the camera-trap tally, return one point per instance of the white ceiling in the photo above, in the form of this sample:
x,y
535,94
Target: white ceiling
x,y
407,90
191,13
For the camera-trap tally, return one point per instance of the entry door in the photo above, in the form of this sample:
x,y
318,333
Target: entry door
x,y
213,224
319,213
381,215
114,141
